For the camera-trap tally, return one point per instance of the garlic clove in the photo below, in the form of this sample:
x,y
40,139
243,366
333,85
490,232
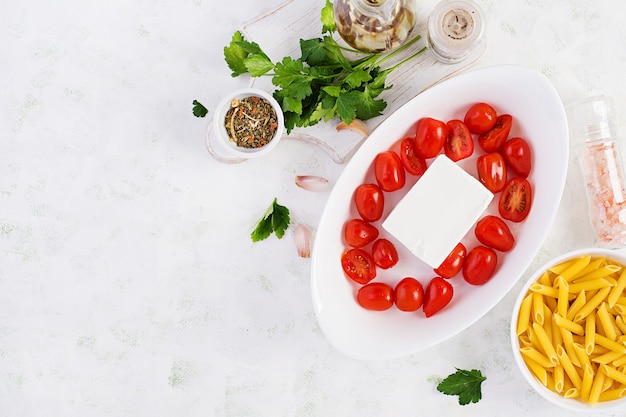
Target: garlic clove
x,y
356,125
311,182
303,237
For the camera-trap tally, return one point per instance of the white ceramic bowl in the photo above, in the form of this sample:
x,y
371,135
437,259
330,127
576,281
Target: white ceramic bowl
x,y
572,404
218,138
540,118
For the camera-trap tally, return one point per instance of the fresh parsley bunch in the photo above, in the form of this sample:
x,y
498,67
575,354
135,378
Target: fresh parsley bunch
x,y
322,84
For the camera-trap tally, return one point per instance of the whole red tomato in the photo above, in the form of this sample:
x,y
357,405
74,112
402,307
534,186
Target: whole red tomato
x,y
492,231
516,153
358,265
480,265
492,140
453,263
384,253
459,143
430,135
516,200
409,294
413,163
376,296
492,171
359,233
370,202
439,292
480,118
389,171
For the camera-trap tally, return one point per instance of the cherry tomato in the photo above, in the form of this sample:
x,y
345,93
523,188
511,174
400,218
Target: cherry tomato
x,y
376,296
430,135
493,139
459,143
438,294
480,264
516,153
480,118
492,231
515,200
370,202
413,163
409,294
384,253
492,171
453,263
389,171
359,233
358,265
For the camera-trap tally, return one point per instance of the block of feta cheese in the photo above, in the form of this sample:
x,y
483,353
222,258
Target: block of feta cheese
x,y
438,211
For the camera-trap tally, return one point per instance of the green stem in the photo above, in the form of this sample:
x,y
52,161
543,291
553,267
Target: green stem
x,y
407,59
400,49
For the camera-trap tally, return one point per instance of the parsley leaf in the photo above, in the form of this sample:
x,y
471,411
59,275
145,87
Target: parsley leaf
x,y
275,219
328,18
235,55
465,384
198,109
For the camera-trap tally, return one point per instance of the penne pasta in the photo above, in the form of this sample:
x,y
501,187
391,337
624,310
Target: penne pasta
x,y
613,373
618,290
576,305
562,296
587,380
571,329
605,271
596,388
523,320
606,322
538,308
546,343
569,325
568,367
546,290
592,304
594,284
536,356
575,268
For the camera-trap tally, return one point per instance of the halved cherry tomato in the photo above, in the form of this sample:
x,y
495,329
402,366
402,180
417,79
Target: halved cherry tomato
x,y
492,231
491,171
359,233
480,265
358,265
480,118
409,294
438,295
493,139
413,163
459,143
376,296
516,200
389,171
453,263
430,135
516,153
370,202
384,253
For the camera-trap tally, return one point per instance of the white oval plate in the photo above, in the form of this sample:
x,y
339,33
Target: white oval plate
x,y
539,117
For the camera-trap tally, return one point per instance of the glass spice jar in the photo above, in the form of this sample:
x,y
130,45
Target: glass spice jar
x,y
456,30
595,142
375,26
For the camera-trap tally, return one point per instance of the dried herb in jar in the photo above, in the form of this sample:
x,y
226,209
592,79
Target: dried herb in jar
x,y
251,122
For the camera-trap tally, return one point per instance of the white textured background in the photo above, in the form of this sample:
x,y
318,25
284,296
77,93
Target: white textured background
x,y
128,282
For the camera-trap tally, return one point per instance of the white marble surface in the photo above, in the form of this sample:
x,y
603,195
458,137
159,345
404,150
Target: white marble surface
x,y
128,282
